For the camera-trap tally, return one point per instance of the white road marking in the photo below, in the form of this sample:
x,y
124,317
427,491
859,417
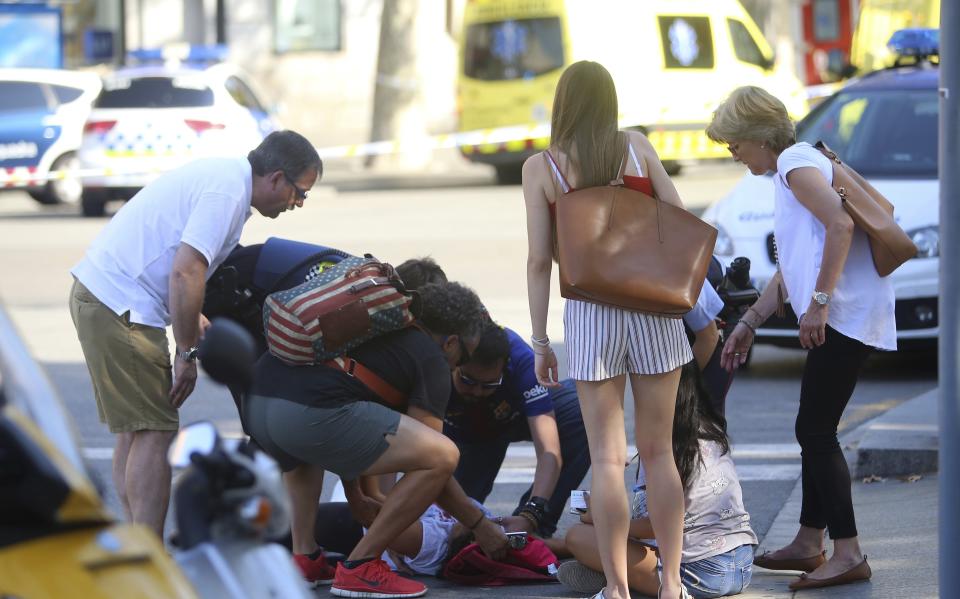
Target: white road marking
x,y
746,472
769,451
519,463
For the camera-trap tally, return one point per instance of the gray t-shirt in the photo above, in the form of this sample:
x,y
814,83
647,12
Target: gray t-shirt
x,y
715,520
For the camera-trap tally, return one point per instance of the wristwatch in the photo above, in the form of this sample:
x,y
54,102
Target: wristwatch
x,y
189,355
821,298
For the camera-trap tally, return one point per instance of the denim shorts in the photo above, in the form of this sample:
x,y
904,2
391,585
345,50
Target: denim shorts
x,y
725,574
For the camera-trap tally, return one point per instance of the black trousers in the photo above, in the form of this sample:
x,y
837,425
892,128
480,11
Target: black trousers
x,y
829,378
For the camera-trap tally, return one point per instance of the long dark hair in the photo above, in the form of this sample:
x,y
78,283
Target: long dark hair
x,y
694,420
584,117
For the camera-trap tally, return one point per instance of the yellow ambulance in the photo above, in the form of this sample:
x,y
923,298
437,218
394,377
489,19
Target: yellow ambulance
x,y
673,61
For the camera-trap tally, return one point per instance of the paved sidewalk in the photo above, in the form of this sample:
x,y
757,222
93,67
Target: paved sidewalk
x,y
896,518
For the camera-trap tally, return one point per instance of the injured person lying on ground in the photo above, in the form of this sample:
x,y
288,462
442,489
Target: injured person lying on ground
x,y
432,544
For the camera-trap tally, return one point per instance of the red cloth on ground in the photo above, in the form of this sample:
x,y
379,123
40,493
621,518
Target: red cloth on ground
x,y
534,563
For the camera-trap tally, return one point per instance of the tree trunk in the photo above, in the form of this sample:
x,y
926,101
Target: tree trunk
x,y
397,112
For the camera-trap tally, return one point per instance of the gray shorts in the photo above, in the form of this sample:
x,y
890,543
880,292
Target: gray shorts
x,y
345,439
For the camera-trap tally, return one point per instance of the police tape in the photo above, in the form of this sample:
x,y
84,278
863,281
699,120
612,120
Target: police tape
x,y
671,144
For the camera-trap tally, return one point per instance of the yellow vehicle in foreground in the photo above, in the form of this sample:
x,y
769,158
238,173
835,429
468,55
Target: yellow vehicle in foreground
x,y
57,538
673,61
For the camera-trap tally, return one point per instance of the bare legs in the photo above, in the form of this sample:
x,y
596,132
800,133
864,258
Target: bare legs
x,y
428,460
304,485
581,541
141,476
655,398
601,404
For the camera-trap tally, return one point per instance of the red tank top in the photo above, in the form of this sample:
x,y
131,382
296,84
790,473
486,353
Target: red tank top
x,y
641,184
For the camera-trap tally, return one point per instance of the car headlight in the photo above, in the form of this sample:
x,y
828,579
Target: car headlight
x,y
927,240
724,245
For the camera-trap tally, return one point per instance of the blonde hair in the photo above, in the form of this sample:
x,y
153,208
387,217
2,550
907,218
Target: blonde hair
x,y
752,113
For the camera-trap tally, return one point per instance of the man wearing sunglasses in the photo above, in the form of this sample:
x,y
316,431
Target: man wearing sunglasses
x,y
496,401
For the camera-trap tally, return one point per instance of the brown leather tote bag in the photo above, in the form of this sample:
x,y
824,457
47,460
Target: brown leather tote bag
x,y
620,247
889,244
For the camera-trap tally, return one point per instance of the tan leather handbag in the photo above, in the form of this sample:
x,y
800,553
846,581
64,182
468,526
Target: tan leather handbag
x,y
889,244
621,247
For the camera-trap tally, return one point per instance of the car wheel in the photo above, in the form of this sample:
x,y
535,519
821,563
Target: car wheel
x,y
93,203
41,197
66,190
509,174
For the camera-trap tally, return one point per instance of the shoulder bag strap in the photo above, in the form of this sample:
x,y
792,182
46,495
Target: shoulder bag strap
x,y
384,390
619,181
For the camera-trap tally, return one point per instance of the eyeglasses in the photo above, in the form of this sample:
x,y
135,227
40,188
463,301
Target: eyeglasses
x,y
301,193
469,382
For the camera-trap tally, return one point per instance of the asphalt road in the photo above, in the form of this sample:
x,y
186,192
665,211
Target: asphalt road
x,y
475,230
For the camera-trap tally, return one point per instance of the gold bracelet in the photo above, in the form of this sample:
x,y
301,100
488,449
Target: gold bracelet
x,y
531,519
749,326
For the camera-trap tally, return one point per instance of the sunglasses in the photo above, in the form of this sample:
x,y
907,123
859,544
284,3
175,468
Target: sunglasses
x,y
301,193
469,382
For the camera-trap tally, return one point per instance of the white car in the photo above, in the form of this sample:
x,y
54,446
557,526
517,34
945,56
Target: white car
x,y
42,112
885,126
150,119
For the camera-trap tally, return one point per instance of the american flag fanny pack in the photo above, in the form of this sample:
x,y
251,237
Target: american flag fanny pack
x,y
344,306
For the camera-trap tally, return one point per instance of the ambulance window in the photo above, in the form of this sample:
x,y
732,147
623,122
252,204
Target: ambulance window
x,y
21,95
687,42
744,46
515,49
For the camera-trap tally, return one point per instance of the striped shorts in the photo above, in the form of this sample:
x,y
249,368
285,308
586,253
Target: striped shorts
x,y
603,342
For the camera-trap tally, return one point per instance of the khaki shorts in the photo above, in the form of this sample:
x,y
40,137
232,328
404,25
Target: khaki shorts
x,y
129,366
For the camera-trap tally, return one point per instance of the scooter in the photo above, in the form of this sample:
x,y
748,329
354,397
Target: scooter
x,y
228,501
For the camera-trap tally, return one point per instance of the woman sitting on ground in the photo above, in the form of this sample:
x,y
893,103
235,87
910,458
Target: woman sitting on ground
x,y
718,542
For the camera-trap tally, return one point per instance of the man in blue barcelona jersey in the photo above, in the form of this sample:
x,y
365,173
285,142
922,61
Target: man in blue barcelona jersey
x,y
496,401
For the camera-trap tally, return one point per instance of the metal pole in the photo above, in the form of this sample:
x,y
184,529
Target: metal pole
x,y
121,56
949,296
221,22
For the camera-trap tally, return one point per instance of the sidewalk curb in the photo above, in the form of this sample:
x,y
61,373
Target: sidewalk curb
x,y
902,441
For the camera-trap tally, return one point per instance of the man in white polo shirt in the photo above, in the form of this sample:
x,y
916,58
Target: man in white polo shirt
x,y
148,269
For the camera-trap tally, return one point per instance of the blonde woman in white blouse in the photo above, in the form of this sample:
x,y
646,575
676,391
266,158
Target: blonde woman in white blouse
x,y
845,309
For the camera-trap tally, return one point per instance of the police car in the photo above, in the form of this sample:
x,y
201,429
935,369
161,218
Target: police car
x,y
152,118
42,112
885,126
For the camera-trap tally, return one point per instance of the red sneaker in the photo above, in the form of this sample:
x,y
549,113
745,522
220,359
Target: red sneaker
x,y
316,571
374,579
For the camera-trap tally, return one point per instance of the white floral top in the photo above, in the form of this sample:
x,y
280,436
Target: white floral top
x,y
715,520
